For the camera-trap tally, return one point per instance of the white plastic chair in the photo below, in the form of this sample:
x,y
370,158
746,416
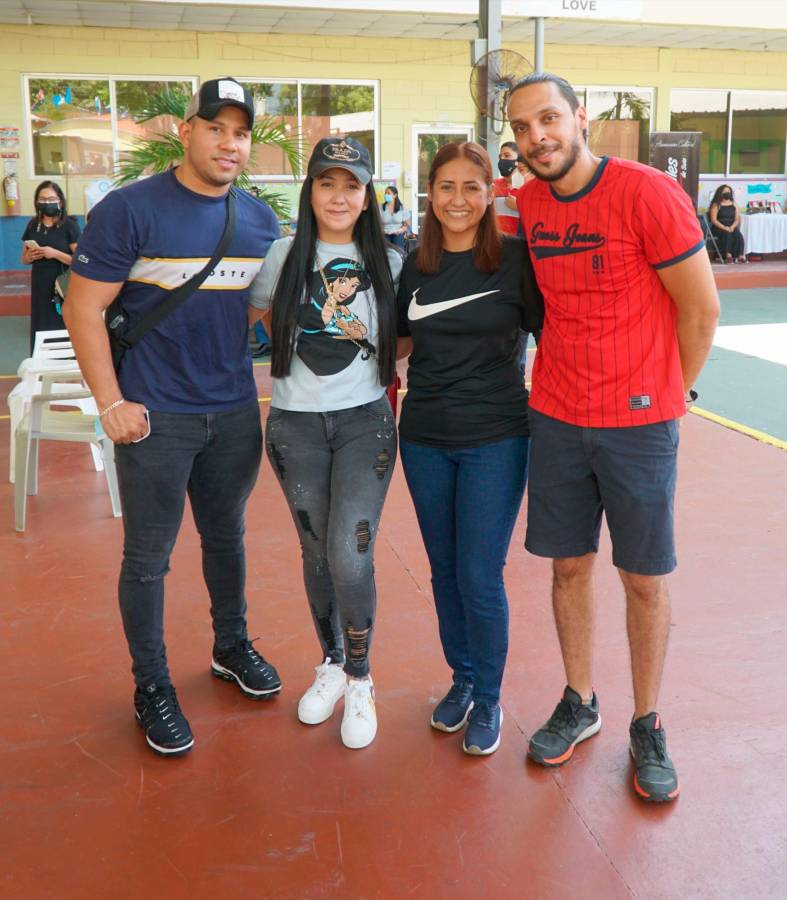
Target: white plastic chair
x,y
42,423
52,353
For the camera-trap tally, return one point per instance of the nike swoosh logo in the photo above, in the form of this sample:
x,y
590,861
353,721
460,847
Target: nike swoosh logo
x,y
418,310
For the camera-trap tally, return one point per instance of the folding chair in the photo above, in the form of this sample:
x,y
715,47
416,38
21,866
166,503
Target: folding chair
x,y
710,238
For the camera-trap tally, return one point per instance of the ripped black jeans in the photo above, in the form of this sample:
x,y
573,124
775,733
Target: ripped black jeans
x,y
214,458
334,469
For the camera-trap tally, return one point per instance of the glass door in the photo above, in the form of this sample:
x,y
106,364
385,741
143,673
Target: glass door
x,y
427,140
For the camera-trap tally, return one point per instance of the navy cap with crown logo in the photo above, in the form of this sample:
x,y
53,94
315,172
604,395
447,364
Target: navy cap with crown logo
x,y
341,153
220,92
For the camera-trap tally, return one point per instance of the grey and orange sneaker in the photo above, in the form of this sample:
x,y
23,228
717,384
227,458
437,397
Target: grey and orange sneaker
x,y
571,723
655,778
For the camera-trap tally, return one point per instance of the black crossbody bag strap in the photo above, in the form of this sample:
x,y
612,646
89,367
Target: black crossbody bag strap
x,y
181,294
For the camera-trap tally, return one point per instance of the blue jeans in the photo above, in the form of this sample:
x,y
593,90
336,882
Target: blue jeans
x,y
334,469
467,500
214,458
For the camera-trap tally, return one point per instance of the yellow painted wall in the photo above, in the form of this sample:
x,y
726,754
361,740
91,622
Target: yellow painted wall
x,y
420,81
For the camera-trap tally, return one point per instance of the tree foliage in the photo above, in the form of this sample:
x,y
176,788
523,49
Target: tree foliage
x,y
164,150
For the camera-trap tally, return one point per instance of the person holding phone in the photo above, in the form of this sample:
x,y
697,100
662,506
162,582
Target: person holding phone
x,y
48,241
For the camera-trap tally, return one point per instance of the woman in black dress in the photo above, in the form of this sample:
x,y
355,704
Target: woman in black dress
x,y
48,242
725,222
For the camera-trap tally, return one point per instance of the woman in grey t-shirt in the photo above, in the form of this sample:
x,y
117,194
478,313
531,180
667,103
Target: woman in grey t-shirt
x,y
328,295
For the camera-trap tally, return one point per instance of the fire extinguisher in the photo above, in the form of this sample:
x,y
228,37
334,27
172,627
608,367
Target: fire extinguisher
x,y
11,190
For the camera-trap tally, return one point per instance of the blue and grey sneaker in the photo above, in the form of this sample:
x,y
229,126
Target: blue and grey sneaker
x,y
452,711
483,729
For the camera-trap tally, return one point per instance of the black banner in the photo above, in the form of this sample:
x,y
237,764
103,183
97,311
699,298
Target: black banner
x,y
677,153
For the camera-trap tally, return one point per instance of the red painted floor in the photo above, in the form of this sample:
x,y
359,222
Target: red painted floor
x,y
266,807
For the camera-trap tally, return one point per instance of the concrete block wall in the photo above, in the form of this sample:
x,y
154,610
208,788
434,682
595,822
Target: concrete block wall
x,y
421,81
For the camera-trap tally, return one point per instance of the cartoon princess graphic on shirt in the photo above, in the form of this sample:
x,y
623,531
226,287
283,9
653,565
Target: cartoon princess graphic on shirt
x,y
334,287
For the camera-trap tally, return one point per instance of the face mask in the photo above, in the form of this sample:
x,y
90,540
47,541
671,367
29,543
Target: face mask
x,y
389,198
726,196
506,166
517,179
49,208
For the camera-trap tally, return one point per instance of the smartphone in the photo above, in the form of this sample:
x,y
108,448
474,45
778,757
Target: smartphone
x,y
147,419
32,245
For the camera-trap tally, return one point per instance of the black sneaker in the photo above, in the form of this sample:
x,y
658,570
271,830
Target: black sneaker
x,y
571,723
254,675
655,777
483,729
452,711
166,728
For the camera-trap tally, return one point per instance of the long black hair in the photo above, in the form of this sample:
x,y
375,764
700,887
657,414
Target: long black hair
x,y
397,203
716,200
37,218
296,274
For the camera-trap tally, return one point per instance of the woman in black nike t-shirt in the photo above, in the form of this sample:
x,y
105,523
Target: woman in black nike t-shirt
x,y
462,300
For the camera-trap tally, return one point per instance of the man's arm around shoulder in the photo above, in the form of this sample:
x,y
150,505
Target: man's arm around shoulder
x,y
83,313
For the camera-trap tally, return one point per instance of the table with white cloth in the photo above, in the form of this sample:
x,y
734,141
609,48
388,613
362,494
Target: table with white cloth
x,y
764,233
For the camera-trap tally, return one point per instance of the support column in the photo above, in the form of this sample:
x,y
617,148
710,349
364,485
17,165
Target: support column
x,y
539,44
490,29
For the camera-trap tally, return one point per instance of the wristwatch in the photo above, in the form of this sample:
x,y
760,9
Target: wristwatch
x,y
691,396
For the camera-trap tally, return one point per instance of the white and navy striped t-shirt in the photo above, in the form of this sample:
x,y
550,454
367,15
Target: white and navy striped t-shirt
x,y
153,235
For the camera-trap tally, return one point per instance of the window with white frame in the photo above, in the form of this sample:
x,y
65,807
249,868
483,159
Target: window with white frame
x,y
743,132
80,124
314,109
618,120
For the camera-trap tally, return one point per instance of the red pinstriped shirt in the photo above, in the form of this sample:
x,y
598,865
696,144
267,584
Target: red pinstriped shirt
x,y
608,354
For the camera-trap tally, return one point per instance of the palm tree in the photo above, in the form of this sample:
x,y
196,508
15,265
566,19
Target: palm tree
x,y
636,107
164,150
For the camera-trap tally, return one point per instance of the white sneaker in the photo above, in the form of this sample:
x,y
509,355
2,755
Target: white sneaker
x,y
359,724
318,703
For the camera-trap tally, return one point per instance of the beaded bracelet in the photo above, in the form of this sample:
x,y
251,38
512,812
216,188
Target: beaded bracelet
x,y
111,407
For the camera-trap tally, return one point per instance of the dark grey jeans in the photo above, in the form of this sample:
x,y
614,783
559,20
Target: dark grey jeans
x,y
334,469
214,458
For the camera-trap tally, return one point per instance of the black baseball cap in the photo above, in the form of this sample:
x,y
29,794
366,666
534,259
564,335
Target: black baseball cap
x,y
341,153
217,93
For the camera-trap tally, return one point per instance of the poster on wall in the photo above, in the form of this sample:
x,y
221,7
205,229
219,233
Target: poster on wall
x,y
677,153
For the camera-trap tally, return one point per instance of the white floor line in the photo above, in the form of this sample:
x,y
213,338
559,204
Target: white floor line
x,y
767,342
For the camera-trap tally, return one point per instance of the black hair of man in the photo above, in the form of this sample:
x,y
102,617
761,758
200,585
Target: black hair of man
x,y
511,145
566,91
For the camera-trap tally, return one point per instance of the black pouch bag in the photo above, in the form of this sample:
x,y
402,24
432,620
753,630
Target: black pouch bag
x,y
122,337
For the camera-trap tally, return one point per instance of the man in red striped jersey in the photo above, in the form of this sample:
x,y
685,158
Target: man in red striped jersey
x,y
630,311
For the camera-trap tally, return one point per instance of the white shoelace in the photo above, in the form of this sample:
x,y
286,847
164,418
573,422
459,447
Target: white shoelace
x,y
359,699
325,676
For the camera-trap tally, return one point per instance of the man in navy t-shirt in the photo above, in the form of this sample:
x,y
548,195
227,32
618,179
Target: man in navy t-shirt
x,y
182,409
